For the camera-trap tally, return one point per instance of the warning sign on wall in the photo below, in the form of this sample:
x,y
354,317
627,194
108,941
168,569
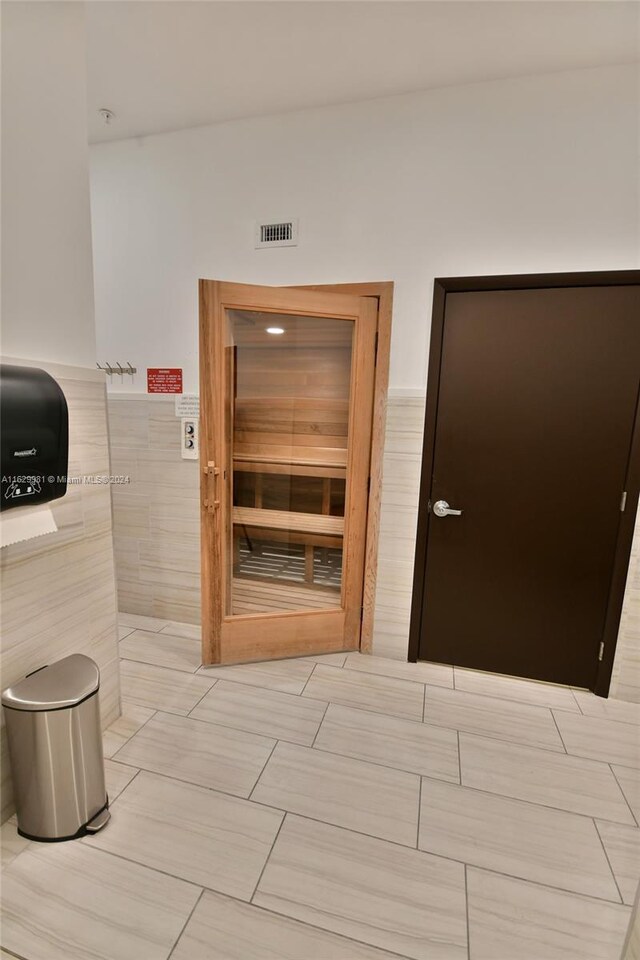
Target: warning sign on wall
x,y
164,379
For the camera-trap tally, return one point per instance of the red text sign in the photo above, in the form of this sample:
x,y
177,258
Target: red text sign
x,y
164,379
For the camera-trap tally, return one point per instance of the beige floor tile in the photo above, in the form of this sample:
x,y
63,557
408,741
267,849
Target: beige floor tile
x,y
516,920
204,753
608,709
128,723
629,780
64,901
349,793
541,776
11,843
393,898
405,744
622,844
161,689
257,710
225,929
439,674
117,777
162,649
522,839
332,659
190,832
600,739
190,631
513,688
400,698
287,676
138,622
124,632
492,717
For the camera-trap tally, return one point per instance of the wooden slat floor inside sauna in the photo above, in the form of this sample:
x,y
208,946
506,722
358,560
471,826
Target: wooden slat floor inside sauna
x,y
262,596
286,563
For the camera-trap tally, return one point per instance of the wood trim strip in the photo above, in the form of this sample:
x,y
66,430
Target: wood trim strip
x,y
211,602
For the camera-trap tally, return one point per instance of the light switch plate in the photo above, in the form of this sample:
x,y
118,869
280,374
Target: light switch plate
x,y
189,438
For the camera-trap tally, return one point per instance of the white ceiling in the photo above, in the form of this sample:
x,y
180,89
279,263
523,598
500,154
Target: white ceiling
x,y
168,65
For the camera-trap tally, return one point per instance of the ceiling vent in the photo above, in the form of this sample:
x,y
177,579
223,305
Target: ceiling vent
x,y
283,233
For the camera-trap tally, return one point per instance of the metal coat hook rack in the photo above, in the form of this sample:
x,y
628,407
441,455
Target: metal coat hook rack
x,y
118,369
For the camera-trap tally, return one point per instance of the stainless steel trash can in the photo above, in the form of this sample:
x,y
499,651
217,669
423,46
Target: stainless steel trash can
x,y
55,747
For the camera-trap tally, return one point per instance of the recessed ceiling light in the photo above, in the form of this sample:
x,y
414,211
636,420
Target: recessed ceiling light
x,y
106,115
275,330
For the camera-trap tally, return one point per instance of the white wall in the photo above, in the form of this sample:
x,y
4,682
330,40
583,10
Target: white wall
x,y
47,280
533,174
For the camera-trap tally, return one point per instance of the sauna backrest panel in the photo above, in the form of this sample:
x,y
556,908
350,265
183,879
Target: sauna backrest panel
x,y
302,372
293,403
290,422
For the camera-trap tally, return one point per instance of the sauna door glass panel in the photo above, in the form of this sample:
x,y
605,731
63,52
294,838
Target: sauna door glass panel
x,y
286,427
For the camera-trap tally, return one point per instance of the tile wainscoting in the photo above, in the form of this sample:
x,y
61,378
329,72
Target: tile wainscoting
x,y
58,591
156,516
398,520
157,538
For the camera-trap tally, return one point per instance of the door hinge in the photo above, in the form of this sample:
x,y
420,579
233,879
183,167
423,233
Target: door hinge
x,y
623,501
601,650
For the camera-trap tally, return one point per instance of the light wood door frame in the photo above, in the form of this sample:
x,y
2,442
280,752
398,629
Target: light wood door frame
x,y
213,405
383,292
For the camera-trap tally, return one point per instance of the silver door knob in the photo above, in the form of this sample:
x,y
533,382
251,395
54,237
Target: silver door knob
x,y
442,509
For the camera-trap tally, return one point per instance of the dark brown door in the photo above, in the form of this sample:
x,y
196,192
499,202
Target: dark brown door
x,y
537,396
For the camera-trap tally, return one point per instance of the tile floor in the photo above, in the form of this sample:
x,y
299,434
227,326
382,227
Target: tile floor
x,y
340,808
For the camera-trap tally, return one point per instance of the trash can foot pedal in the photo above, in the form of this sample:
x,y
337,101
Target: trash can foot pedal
x,y
99,821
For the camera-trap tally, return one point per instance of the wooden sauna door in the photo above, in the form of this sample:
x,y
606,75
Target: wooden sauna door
x,y
286,401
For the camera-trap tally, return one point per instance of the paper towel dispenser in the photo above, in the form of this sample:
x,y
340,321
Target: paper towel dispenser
x,y
34,437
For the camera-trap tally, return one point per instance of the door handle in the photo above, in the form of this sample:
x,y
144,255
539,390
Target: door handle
x,y
442,509
212,472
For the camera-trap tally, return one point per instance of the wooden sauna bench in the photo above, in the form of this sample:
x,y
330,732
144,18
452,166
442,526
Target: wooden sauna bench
x,y
310,529
296,437
332,467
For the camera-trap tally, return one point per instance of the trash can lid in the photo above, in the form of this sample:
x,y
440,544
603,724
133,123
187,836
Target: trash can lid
x,y
56,687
